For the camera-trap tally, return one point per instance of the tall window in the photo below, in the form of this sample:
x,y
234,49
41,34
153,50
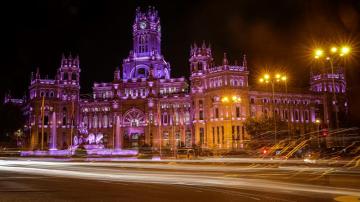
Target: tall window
x,y
201,136
65,76
105,121
216,112
187,117
165,119
85,120
46,120
213,134
201,115
200,103
222,135
64,121
237,112
73,76
296,115
307,115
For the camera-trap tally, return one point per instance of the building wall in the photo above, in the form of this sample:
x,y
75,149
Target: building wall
x,y
161,111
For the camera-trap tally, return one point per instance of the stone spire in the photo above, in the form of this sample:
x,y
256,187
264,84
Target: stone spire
x,y
37,75
225,60
117,74
244,61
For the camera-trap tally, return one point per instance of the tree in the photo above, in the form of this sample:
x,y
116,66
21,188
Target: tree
x,y
11,120
261,130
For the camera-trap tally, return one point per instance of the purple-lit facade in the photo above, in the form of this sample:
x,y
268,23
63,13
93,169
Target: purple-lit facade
x,y
144,105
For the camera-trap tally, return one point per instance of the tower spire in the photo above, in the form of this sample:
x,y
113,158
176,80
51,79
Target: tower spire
x,y
37,75
225,60
244,61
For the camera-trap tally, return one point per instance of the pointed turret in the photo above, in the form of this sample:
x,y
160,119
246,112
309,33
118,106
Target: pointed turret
x,y
244,62
32,76
117,74
225,60
37,75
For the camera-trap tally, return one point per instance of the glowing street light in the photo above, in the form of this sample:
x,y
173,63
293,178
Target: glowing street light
x,y
318,122
345,50
236,99
333,49
330,57
318,53
272,79
225,99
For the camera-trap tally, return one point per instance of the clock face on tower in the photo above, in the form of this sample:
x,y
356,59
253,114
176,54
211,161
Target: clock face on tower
x,y
142,25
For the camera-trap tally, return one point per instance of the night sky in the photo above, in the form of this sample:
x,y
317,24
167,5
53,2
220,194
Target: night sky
x,y
275,34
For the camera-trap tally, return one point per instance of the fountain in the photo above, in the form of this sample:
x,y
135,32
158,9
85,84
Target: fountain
x,y
53,132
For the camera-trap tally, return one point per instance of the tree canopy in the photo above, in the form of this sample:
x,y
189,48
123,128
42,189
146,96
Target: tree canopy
x,y
11,119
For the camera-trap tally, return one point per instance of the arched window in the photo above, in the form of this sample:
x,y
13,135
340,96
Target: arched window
x,y
134,117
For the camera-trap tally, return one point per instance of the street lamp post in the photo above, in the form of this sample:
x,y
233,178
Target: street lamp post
x,y
319,53
318,122
272,80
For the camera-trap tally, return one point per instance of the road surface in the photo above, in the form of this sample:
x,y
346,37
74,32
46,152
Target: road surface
x,y
51,180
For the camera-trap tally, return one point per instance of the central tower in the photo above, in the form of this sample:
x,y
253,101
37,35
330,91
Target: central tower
x,y
147,33
146,58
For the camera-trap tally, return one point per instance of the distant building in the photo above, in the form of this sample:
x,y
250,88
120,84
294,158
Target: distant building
x,y
144,105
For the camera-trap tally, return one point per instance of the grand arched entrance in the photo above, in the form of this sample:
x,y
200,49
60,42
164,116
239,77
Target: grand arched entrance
x,y
134,125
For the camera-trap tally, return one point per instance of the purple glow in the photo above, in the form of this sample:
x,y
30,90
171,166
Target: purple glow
x,y
92,151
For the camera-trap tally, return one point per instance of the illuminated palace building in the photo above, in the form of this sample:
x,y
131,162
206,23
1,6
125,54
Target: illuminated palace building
x,y
144,105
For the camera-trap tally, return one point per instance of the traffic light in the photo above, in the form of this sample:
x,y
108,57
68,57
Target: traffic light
x,y
325,132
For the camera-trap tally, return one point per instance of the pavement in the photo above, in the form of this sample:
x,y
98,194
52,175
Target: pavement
x,y
26,179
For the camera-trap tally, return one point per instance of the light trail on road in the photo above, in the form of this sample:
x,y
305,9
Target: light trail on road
x,y
174,174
